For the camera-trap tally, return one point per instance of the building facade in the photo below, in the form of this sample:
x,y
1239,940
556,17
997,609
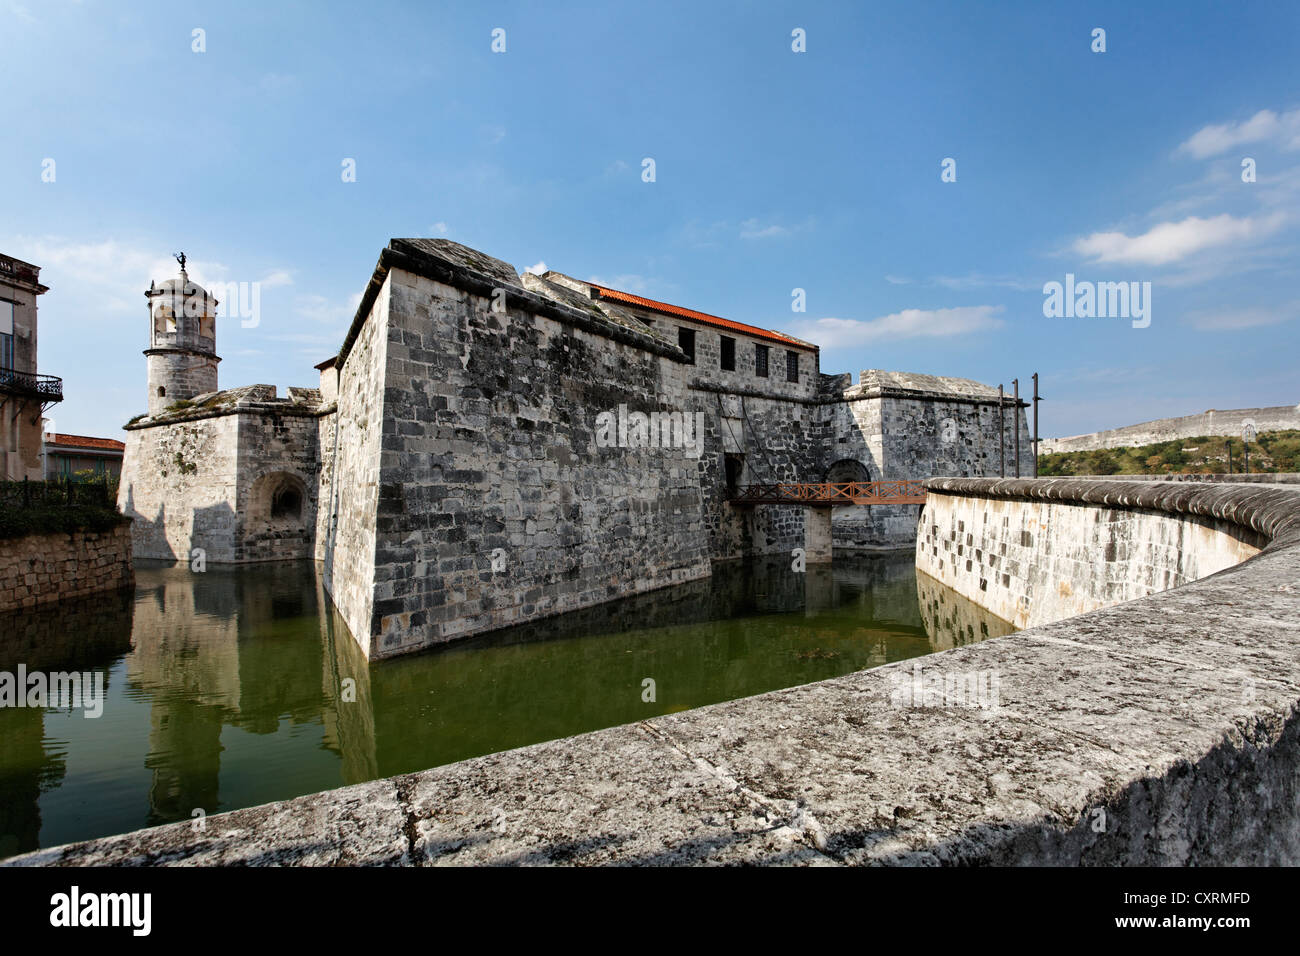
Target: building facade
x,y
489,448
25,394
75,456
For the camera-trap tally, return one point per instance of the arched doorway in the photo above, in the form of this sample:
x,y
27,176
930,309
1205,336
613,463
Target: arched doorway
x,y
847,469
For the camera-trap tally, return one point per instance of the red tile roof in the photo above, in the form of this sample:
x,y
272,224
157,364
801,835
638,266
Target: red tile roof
x,y
81,441
703,317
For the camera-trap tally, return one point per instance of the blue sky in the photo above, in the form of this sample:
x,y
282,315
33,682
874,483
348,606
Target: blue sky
x,y
775,170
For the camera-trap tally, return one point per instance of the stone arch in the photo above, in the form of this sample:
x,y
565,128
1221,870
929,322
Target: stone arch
x,y
848,469
277,499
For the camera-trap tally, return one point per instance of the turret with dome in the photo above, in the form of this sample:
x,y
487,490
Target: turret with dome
x,y
182,355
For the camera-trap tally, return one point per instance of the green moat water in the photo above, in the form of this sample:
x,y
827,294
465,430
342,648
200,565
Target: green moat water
x,y
230,688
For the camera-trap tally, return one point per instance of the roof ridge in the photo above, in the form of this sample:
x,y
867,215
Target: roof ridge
x,y
705,317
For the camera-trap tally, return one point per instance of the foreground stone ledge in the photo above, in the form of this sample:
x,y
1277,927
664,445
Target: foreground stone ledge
x,y
1161,731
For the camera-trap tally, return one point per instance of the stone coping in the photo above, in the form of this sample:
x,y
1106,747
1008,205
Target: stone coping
x,y
1270,511
1160,731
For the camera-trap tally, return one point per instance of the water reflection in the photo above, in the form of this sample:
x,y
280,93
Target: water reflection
x,y
233,687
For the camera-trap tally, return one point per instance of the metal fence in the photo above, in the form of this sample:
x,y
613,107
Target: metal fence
x,y
55,492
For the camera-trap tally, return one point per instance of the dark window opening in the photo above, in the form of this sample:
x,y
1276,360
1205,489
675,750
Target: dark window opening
x,y
286,503
735,464
791,366
728,354
686,341
162,391
760,361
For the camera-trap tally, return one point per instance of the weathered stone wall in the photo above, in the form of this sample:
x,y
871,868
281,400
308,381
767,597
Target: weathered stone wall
x,y
901,435
208,482
349,507
180,485
1037,553
778,440
45,568
278,450
178,376
496,505
1213,422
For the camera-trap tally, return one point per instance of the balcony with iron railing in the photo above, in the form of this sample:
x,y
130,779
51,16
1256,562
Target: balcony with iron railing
x,y
47,388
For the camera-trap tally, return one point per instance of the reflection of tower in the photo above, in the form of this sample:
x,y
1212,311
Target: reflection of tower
x,y
182,354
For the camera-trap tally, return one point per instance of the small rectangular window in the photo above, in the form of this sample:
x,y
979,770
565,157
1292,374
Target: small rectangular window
x,y
728,354
6,352
760,361
686,341
791,366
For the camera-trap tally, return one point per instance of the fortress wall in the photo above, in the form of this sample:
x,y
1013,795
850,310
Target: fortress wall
x,y
1228,422
782,440
349,507
1041,551
490,460
178,484
326,433
900,437
272,446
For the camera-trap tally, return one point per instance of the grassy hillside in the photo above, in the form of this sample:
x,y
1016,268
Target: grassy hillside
x,y
1275,451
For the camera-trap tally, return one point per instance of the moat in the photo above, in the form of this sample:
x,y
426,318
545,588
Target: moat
x,y
232,687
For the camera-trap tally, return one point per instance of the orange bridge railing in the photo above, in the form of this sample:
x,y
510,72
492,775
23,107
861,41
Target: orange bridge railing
x,y
821,494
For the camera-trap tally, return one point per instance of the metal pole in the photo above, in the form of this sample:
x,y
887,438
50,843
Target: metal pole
x,y
1036,401
1002,455
1015,420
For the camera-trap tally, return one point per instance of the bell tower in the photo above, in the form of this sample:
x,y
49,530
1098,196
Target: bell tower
x,y
182,355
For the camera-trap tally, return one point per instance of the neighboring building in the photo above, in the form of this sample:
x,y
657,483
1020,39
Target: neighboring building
x,y
456,470
69,455
24,394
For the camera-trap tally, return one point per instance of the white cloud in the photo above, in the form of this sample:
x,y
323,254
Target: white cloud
x,y
537,268
317,308
753,229
1232,319
440,228
110,273
976,280
627,282
1171,241
897,280
909,323
1264,126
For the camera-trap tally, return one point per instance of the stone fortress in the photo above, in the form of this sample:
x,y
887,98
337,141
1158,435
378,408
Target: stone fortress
x,y
453,472
1228,422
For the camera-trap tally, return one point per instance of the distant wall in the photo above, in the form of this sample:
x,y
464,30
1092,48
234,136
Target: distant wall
x,y
1038,551
46,568
1213,422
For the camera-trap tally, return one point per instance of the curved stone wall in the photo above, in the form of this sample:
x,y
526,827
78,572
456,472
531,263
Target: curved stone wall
x,y
1161,731
1037,551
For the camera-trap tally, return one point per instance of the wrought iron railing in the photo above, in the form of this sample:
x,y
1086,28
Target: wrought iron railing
x,y
61,491
905,492
49,387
